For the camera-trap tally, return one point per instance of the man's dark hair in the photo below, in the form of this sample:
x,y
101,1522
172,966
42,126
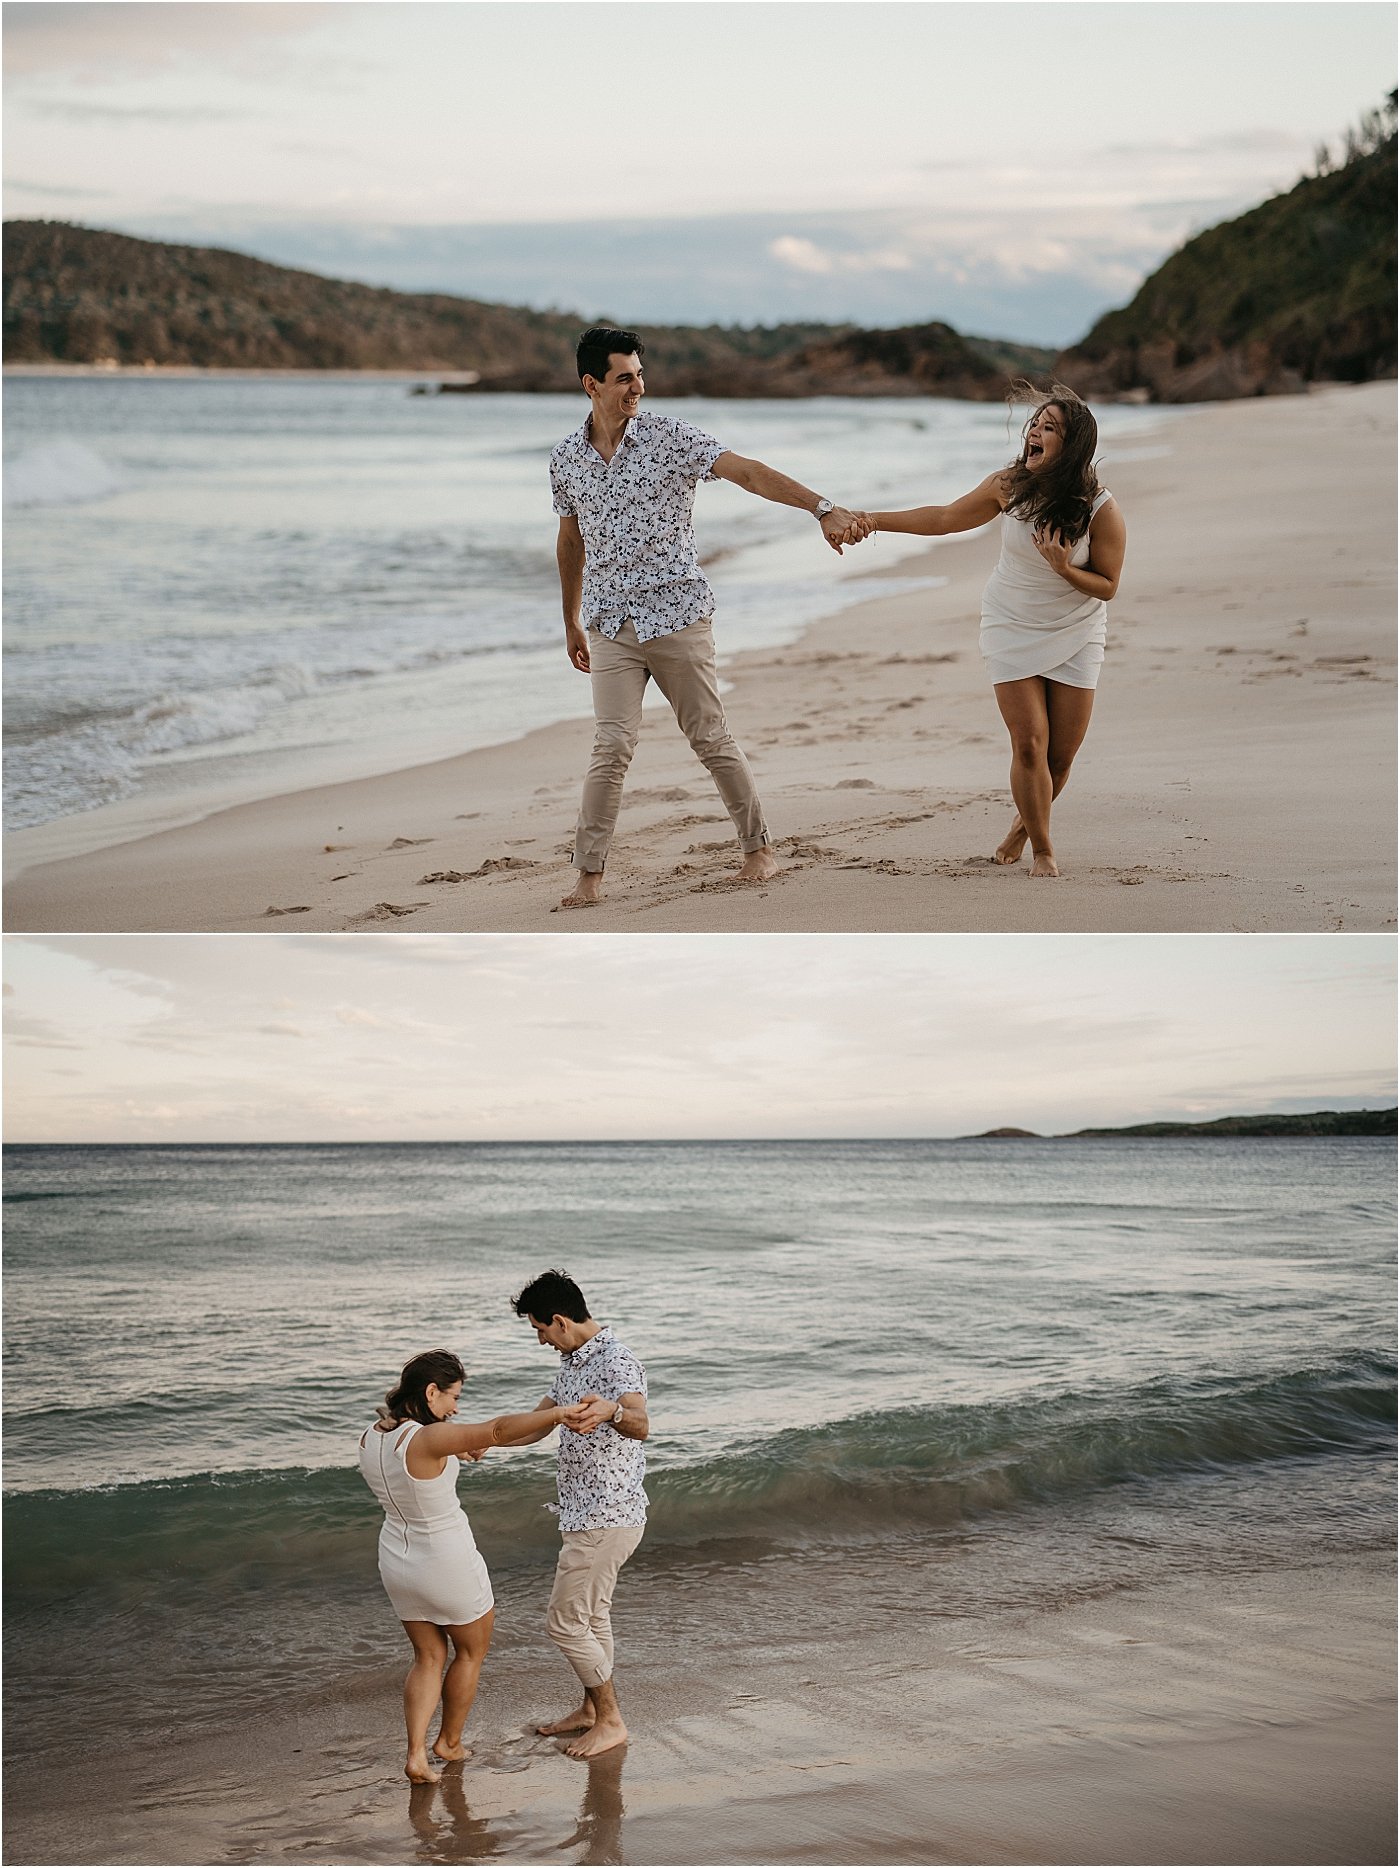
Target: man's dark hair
x,y
594,348
552,1294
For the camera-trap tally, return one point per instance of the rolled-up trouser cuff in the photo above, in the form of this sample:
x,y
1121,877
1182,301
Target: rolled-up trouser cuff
x,y
579,1620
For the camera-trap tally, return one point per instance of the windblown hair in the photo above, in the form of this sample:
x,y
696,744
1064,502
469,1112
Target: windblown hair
x,y
1061,498
552,1294
601,342
409,1400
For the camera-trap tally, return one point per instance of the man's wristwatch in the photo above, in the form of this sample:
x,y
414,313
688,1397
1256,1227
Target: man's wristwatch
x,y
824,506
618,1413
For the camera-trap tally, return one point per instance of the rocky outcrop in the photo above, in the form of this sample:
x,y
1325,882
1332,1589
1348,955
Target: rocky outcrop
x,y
1300,290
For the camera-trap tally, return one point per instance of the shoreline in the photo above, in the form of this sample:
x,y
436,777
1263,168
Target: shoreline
x,y
1226,1719
1226,783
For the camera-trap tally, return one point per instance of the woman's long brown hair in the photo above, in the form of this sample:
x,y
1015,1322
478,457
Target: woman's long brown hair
x,y
1061,498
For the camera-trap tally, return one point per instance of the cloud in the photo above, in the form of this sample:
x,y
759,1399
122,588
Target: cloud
x,y
82,110
52,191
41,1033
90,39
806,256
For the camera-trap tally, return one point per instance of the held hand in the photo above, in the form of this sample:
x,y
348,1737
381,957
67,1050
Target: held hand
x,y
843,527
1052,547
577,1417
480,1453
576,643
592,1412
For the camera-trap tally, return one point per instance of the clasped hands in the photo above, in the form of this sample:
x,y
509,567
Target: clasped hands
x,y
593,1411
841,527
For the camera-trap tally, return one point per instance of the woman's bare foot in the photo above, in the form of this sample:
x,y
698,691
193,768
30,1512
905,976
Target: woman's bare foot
x,y
578,1721
586,892
451,1751
757,866
1013,844
603,1735
1044,864
419,1771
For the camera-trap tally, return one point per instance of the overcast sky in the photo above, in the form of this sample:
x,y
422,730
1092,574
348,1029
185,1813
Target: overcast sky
x,y
1012,168
314,1038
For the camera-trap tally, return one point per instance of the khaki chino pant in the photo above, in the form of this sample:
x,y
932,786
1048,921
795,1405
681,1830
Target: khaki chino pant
x,y
580,1608
683,667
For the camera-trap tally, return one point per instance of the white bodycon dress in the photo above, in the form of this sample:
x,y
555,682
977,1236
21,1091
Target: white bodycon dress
x,y
428,1559
1033,622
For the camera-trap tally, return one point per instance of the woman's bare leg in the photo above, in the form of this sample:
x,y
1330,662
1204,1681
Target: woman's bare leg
x,y
421,1692
1067,714
471,1640
1069,709
1024,709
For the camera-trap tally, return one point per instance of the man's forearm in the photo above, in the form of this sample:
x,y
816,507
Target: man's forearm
x,y
757,477
634,1424
571,585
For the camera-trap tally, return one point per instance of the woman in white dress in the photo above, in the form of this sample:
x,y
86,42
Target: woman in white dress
x,y
428,1560
1045,607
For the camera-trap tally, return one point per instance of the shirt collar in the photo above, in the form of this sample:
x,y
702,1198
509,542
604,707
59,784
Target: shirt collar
x,y
585,433
578,1356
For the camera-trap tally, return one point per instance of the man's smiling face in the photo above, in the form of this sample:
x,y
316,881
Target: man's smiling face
x,y
554,1334
618,397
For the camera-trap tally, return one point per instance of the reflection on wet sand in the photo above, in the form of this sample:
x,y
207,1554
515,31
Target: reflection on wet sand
x,y
448,1832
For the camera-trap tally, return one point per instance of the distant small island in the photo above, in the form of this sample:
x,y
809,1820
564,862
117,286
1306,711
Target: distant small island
x,y
1321,1122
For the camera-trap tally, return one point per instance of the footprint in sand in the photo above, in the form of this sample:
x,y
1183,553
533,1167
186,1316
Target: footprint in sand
x,y
490,867
855,784
388,911
305,909
406,843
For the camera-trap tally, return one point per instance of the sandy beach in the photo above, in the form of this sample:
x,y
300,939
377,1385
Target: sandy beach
x,y
1237,1719
1237,775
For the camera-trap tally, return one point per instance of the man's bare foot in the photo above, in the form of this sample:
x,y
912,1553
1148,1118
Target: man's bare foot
x,y
757,866
449,1750
586,892
578,1721
1013,844
603,1735
419,1771
1044,864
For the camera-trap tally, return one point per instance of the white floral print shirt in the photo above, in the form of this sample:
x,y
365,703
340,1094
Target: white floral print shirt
x,y
600,1473
634,512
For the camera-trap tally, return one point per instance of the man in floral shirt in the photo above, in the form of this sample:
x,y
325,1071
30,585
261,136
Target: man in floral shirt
x,y
637,606
602,1506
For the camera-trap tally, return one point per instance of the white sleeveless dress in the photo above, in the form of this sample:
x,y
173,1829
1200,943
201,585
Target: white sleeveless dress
x,y
429,1564
1033,622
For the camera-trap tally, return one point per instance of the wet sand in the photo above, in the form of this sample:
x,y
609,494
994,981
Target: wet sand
x,y
1223,1719
1238,773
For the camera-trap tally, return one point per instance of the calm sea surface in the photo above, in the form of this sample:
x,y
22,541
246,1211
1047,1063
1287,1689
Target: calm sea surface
x,y
1068,1367
220,588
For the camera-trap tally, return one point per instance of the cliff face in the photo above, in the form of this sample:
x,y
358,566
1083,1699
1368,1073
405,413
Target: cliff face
x,y
1299,290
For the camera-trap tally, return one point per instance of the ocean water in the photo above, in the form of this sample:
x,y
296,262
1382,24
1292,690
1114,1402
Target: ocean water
x,y
1057,1368
218,588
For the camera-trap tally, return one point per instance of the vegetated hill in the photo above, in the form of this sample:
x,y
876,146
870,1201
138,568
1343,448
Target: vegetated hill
x,y
81,295
1321,1122
1299,290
